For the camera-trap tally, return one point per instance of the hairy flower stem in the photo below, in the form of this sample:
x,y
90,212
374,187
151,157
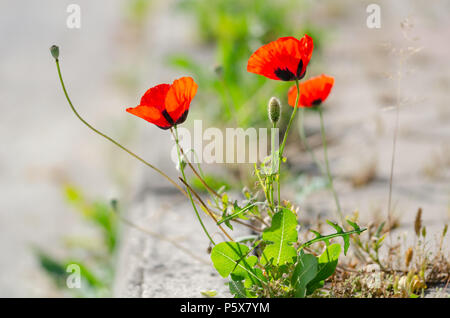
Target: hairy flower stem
x,y
184,181
327,165
283,144
109,138
207,187
180,162
207,210
272,147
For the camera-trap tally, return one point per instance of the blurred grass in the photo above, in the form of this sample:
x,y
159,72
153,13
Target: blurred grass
x,y
94,256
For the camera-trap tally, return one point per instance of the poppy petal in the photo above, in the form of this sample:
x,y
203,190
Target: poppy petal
x,y
312,92
284,59
292,95
156,96
179,98
150,114
306,49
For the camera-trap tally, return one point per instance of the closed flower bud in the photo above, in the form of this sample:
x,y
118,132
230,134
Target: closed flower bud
x,y
274,110
55,51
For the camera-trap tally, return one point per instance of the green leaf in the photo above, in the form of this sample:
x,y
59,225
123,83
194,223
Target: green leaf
x,y
237,288
227,222
73,195
238,211
345,237
225,256
209,293
326,267
379,229
304,272
378,243
53,267
280,236
339,233
230,257
354,225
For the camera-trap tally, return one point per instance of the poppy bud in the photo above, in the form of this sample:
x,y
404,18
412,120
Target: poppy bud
x,y
274,110
55,51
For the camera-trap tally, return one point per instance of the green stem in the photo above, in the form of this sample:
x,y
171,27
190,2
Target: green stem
x,y
109,138
180,162
284,140
272,147
330,178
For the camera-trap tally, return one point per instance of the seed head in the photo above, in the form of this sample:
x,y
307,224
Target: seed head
x,y
418,222
408,256
274,109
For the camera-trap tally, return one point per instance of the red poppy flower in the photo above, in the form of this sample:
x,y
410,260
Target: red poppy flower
x,y
166,105
312,92
284,59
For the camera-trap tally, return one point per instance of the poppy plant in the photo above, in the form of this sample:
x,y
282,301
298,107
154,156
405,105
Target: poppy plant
x,y
312,92
166,105
285,59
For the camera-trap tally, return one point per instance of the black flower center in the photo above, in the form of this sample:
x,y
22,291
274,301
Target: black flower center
x,y
171,121
286,75
167,117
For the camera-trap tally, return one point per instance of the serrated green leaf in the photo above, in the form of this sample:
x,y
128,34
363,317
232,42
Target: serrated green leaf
x,y
280,237
354,225
335,226
339,233
345,237
304,272
238,289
